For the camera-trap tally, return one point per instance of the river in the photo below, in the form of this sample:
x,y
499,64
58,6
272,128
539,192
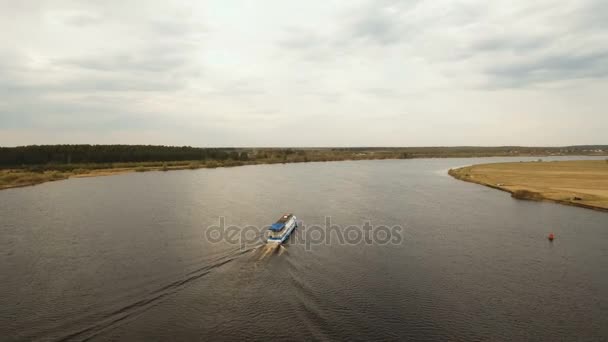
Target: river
x,y
130,257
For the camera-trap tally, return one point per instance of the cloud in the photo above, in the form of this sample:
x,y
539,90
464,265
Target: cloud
x,y
511,44
552,68
138,61
499,47
82,19
384,71
381,26
300,39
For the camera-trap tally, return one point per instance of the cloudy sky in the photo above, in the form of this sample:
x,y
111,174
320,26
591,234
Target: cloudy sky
x,y
304,73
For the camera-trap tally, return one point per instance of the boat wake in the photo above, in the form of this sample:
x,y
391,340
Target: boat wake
x,y
267,250
110,319
103,322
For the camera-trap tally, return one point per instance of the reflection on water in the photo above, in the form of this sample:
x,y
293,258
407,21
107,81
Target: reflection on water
x,y
125,258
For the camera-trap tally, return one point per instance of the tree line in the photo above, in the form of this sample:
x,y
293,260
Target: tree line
x,y
75,154
66,156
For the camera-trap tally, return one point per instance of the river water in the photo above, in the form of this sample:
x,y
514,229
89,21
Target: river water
x,y
130,257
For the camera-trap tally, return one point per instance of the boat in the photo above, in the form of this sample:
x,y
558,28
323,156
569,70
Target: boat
x,y
280,230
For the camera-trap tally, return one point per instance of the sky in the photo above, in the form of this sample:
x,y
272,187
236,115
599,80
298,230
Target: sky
x,y
304,73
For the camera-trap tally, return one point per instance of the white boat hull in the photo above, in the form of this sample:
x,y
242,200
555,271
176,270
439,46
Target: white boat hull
x,y
286,233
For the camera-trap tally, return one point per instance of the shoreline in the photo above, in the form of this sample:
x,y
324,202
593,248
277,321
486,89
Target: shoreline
x,y
491,175
53,175
24,178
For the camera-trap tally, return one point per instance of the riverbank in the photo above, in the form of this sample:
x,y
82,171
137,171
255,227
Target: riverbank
x,y
28,176
581,183
38,174
15,178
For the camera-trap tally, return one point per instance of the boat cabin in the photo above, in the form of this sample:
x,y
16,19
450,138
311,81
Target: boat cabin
x,y
277,228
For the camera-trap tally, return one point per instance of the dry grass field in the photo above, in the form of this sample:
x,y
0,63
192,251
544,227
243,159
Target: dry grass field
x,y
582,183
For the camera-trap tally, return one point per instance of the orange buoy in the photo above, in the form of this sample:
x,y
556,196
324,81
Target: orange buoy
x,y
551,237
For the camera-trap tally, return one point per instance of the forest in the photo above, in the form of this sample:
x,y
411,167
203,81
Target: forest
x,y
79,154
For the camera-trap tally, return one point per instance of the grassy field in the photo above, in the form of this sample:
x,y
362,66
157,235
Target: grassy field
x,y
581,183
